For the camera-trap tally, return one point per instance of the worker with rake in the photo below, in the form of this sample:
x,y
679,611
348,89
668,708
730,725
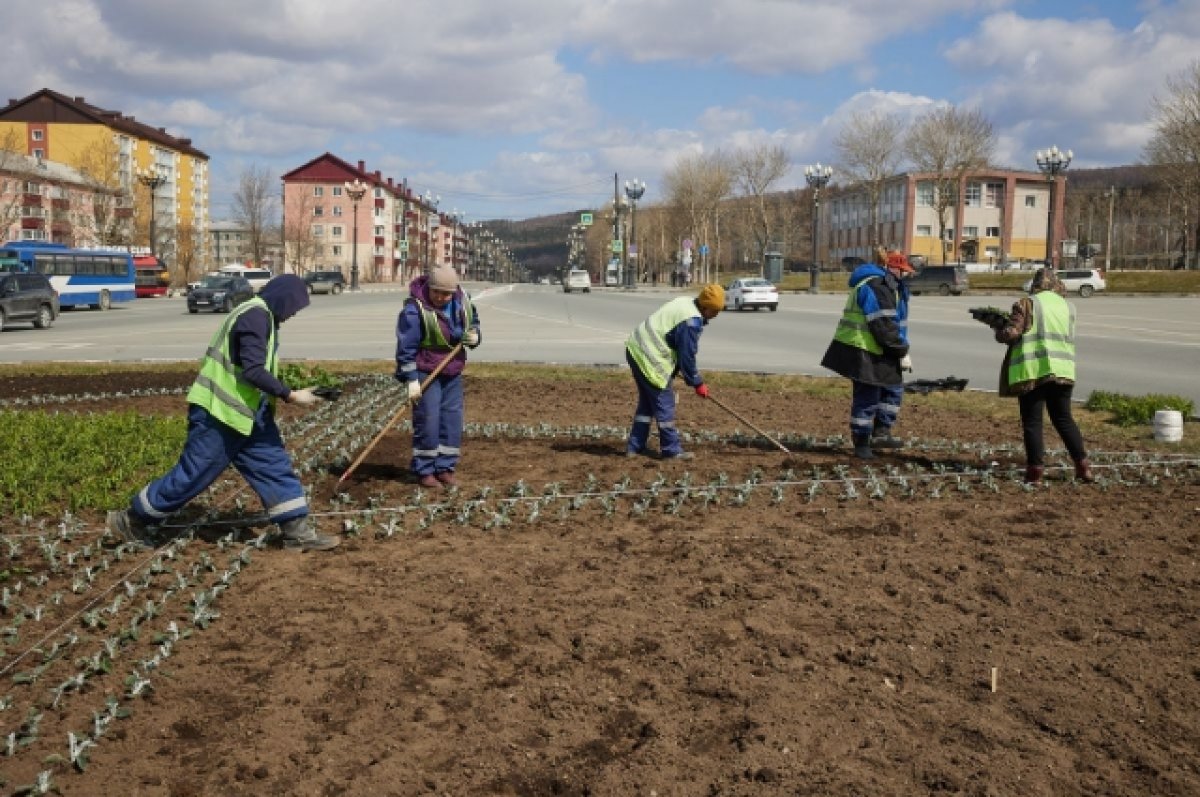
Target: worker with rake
x,y
438,319
231,420
663,345
870,348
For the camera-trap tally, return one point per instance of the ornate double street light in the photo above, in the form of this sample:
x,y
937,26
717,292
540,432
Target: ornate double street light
x,y
153,179
356,191
634,189
817,178
1052,162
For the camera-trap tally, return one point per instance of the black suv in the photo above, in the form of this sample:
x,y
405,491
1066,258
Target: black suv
x,y
27,297
221,293
943,280
325,282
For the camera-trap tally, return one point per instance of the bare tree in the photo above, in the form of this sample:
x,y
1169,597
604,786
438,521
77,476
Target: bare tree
x,y
1175,145
755,170
188,241
948,143
105,216
14,171
870,147
254,208
697,185
302,249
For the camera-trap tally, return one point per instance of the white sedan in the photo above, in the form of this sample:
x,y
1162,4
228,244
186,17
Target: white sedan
x,y
752,293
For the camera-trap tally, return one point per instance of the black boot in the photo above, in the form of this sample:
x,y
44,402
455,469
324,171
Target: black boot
x,y
297,534
128,527
882,437
862,447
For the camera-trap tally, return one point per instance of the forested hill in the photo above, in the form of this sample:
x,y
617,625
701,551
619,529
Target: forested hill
x,y
539,243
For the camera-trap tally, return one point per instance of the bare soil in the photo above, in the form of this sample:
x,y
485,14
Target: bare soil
x,y
570,622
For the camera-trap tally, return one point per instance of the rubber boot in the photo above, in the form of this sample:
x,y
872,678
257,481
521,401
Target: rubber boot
x,y
862,448
298,535
882,438
128,527
1083,471
1034,473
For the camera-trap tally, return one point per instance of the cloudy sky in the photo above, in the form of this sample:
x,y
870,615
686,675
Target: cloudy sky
x,y
517,108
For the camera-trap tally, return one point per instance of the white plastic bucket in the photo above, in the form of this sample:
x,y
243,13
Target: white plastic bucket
x,y
1168,426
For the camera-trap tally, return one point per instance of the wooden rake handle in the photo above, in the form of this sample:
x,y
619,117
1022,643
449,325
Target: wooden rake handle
x,y
778,444
395,418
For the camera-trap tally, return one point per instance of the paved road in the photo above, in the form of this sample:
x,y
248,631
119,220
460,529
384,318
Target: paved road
x,y
1127,344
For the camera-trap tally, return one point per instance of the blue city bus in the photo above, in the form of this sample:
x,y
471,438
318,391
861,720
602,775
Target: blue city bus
x,y
83,277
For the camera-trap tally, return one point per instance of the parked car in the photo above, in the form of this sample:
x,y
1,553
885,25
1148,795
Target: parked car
x,y
221,293
325,282
942,280
257,277
1084,281
751,293
577,280
27,297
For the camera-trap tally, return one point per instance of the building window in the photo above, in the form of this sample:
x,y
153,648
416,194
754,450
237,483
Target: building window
x,y
378,192
991,252
924,231
1031,201
337,210
318,230
37,135
337,190
40,154
336,231
379,229
970,232
992,232
993,195
974,195
925,195
318,190
318,211
337,250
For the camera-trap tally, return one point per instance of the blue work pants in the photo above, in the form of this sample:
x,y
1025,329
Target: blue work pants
x,y
654,404
211,446
438,425
873,408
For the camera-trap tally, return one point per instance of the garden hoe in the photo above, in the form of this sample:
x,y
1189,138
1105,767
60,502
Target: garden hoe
x,y
778,444
432,375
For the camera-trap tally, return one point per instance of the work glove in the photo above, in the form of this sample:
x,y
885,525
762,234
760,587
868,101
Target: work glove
x,y
702,390
906,363
414,391
303,397
470,338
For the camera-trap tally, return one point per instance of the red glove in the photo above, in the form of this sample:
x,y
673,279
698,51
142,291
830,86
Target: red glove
x,y
702,390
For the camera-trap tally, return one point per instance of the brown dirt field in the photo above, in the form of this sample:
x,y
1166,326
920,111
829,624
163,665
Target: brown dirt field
x,y
569,622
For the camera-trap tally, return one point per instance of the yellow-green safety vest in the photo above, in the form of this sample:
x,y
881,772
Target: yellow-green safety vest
x,y
219,387
1048,348
852,328
647,345
432,337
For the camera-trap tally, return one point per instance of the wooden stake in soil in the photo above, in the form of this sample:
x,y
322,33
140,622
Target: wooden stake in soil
x,y
432,375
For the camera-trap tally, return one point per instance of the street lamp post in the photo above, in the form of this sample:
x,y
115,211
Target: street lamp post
x,y
356,191
634,189
1052,162
817,178
154,180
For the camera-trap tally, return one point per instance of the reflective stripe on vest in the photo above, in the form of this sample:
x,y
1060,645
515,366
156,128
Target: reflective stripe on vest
x,y
648,346
1048,348
219,387
852,328
432,337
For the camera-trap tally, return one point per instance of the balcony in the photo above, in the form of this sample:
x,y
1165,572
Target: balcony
x,y
60,204
33,224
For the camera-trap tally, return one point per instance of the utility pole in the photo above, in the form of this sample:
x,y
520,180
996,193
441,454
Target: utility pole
x,y
1112,198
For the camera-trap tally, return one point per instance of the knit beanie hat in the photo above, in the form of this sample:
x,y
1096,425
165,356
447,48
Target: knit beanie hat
x,y
443,278
896,261
1044,279
711,298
